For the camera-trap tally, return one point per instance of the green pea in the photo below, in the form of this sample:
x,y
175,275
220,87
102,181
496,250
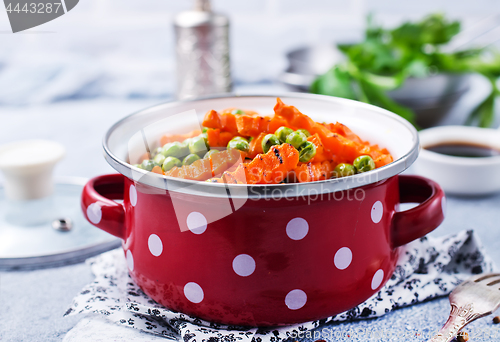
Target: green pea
x,y
296,139
159,159
239,138
190,159
148,165
364,163
170,162
239,144
282,133
156,152
175,149
344,170
305,131
250,139
209,153
307,152
269,141
204,130
198,145
237,111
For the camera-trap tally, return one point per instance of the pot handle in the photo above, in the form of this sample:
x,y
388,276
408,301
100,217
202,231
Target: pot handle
x,y
412,224
98,206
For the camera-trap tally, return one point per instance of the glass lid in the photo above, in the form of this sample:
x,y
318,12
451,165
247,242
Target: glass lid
x,y
50,231
254,145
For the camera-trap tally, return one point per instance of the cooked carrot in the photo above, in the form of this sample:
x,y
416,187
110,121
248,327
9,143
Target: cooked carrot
x,y
224,122
216,138
269,168
256,145
198,170
212,119
310,172
247,125
173,172
228,122
224,138
321,154
341,147
252,126
272,167
203,169
245,111
344,131
213,137
238,176
223,160
384,159
157,170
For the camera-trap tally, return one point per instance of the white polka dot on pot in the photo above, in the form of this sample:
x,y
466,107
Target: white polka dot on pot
x,y
295,299
130,260
94,213
377,212
343,258
377,279
132,194
155,245
196,222
297,228
193,292
244,265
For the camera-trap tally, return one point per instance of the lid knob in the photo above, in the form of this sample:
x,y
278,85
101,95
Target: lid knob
x,y
27,166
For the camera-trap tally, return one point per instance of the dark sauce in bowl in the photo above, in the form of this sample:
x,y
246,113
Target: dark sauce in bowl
x,y
464,149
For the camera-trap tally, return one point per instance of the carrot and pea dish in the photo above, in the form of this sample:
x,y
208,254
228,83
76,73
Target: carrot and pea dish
x,y
239,146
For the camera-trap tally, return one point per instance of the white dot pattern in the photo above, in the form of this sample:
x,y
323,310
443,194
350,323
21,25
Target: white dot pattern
x,y
94,213
377,279
130,260
297,228
243,265
343,258
132,194
377,212
196,222
193,292
295,299
155,245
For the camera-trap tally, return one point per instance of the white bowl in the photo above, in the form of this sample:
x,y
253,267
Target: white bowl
x,y
460,175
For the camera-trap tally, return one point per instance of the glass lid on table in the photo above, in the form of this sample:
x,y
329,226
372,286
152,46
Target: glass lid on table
x,y
236,145
41,223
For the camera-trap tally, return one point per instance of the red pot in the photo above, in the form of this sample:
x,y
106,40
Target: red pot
x,y
264,255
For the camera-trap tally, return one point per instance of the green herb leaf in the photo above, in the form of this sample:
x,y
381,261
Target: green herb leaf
x,y
336,82
386,58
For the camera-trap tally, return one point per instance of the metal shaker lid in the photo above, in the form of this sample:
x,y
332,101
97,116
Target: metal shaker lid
x,y
202,15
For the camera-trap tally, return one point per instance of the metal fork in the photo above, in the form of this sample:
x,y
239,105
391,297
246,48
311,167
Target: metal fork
x,y
476,297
